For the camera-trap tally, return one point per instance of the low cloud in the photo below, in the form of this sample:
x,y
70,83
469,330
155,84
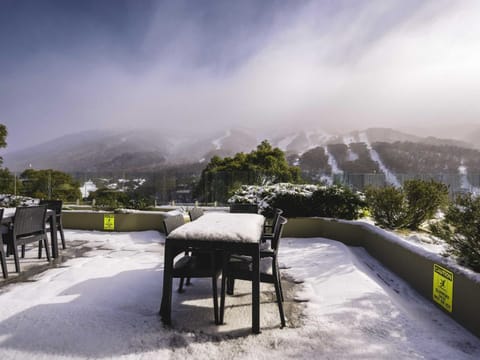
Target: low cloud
x,y
388,63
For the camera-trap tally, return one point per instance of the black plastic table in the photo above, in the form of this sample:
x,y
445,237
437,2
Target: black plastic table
x,y
229,233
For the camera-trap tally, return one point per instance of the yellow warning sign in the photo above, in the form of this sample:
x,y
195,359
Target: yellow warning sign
x,y
443,287
108,222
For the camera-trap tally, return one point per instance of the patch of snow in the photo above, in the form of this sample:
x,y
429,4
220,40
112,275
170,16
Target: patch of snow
x,y
464,183
389,176
422,244
334,166
283,144
351,155
223,223
219,141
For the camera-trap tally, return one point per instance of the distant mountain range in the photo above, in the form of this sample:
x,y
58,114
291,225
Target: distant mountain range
x,y
135,150
317,152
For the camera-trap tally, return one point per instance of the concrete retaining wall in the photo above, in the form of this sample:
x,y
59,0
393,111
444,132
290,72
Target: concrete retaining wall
x,y
91,220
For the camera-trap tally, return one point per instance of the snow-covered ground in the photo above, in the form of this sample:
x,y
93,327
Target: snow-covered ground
x,y
342,304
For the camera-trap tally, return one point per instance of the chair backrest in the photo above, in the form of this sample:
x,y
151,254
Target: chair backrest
x,y
244,208
277,232
195,213
276,215
170,223
29,220
53,204
3,227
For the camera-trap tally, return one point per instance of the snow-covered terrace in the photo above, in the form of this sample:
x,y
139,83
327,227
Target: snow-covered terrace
x,y
103,302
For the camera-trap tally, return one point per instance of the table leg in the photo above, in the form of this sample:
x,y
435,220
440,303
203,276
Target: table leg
x,y
256,291
166,305
53,235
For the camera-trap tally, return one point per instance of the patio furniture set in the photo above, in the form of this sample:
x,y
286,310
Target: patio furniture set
x,y
230,245
30,224
212,245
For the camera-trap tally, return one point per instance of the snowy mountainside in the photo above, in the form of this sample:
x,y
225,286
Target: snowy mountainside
x,y
317,152
128,150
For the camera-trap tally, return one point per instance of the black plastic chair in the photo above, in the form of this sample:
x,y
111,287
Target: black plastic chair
x,y
3,259
195,264
269,227
170,223
195,213
56,205
239,267
28,226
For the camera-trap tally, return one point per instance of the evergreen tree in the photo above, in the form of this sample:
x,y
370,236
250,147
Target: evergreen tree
x,y
264,165
49,184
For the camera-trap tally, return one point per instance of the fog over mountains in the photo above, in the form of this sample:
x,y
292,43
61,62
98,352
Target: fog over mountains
x,y
315,150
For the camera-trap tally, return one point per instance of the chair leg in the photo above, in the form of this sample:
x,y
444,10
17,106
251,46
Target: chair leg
x,y
222,299
62,235
230,285
280,286
47,250
9,242
23,251
223,287
14,249
215,299
278,293
180,285
4,267
188,282
3,261
275,268
40,249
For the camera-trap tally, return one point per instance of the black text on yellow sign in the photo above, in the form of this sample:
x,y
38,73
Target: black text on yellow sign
x,y
109,222
443,287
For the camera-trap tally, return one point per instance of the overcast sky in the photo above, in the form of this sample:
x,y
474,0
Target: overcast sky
x,y
72,65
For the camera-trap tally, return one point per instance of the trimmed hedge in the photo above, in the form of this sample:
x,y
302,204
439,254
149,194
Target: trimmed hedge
x,y
303,200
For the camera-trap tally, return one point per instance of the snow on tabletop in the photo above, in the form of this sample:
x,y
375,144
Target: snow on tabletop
x,y
218,226
8,212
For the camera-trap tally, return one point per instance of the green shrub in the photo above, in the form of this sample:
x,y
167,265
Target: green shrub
x,y
461,230
106,199
336,202
388,206
292,204
409,207
424,199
